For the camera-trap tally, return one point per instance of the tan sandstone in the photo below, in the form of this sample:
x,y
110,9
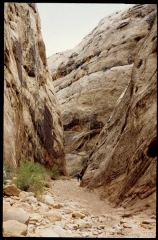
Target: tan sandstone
x,y
32,118
90,78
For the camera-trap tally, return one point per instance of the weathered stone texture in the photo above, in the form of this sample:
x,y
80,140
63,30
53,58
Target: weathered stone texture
x,y
32,125
90,78
123,160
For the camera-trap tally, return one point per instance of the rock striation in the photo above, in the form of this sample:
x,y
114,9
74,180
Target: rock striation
x,y
123,161
32,119
91,77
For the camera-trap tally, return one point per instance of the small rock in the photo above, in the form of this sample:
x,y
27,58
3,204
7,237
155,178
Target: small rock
x,y
126,225
12,201
48,200
68,211
11,190
31,228
101,219
53,216
43,206
127,215
120,232
24,194
122,221
95,233
58,205
71,226
82,223
149,221
19,215
31,199
13,228
117,227
78,214
101,227
35,217
146,226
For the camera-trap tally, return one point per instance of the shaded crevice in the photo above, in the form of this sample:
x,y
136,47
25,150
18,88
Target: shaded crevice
x,y
32,5
122,25
150,20
137,39
18,58
139,63
152,148
73,123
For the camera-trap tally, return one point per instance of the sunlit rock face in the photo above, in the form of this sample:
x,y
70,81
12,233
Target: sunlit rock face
x,y
32,121
90,78
123,160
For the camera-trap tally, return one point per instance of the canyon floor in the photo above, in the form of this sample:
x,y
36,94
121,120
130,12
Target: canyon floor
x,y
70,210
118,222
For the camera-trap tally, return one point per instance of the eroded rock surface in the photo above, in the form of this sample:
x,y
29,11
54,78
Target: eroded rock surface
x,y
123,160
80,213
32,121
90,78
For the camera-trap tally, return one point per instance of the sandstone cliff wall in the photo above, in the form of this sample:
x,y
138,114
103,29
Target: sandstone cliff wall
x,y
91,77
123,160
32,125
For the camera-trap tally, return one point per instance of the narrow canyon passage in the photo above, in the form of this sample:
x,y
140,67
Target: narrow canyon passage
x,y
70,191
94,104
131,222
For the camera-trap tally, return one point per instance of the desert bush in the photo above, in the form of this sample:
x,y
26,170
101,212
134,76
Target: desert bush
x,y
75,172
54,172
31,176
83,160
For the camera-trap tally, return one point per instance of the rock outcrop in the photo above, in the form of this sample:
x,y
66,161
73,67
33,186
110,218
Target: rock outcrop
x,y
32,121
90,78
123,160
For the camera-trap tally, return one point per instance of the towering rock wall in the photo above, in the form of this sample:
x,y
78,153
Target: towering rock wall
x,y
32,121
123,160
91,77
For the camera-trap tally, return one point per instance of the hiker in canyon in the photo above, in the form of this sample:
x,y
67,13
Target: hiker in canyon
x,y
79,177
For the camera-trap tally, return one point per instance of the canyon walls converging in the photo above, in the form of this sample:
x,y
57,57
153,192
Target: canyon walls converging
x,y
97,101
106,86
32,124
90,78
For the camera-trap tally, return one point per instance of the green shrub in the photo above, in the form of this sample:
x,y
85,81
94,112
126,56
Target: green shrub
x,y
75,172
83,160
54,172
31,176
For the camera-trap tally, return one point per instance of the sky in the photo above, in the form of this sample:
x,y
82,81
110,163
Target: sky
x,y
64,25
